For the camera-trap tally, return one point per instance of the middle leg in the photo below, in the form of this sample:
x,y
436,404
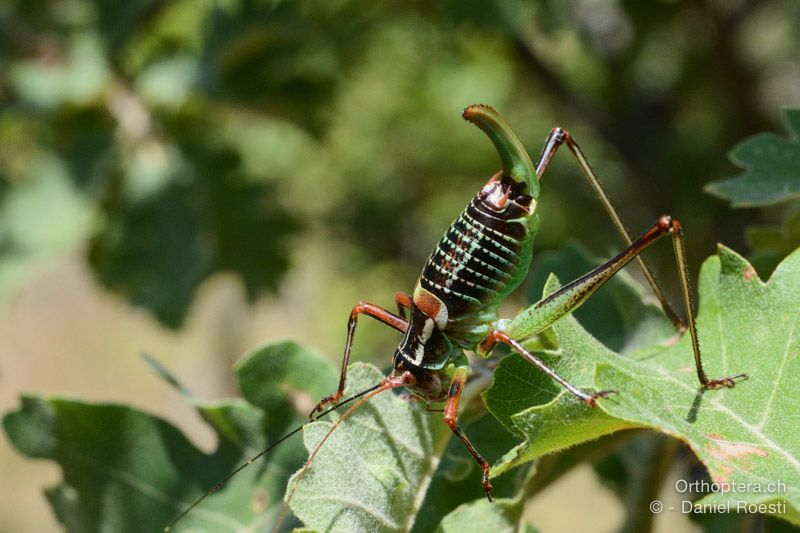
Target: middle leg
x,y
451,419
497,336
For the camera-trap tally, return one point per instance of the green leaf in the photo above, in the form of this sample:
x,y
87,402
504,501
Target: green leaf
x,y
502,516
772,168
42,217
392,466
744,434
283,377
157,249
373,472
531,404
125,470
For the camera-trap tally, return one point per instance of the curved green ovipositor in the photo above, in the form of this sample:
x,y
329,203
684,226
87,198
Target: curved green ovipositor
x,y
517,164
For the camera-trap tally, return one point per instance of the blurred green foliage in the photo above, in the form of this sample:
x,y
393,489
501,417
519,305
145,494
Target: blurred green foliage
x,y
181,138
125,470
772,168
770,244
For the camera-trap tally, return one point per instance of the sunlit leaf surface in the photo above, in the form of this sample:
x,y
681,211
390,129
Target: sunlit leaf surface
x,y
742,435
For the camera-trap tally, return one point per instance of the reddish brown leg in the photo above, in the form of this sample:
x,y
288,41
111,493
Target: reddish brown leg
x,y
499,336
451,419
376,312
403,302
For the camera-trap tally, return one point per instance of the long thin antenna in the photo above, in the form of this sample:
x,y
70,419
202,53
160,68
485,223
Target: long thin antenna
x,y
265,451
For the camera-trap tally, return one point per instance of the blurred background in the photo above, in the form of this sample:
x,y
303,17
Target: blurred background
x,y
193,178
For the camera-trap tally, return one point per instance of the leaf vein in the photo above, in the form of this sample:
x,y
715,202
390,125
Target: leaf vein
x,y
768,408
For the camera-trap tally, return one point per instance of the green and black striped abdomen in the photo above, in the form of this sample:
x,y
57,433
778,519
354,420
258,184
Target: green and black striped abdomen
x,y
483,255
